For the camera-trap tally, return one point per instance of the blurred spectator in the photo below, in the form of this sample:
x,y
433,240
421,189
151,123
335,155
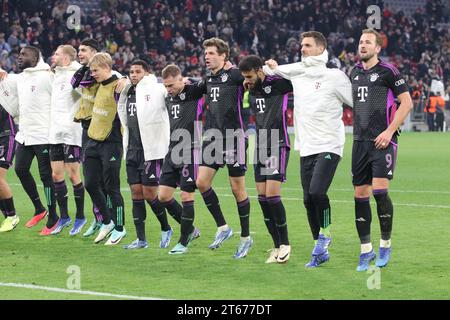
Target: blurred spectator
x,y
173,31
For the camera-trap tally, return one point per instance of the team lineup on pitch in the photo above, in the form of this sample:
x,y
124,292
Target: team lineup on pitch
x,y
95,116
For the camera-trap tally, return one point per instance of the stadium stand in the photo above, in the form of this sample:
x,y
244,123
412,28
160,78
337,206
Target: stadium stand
x,y
417,37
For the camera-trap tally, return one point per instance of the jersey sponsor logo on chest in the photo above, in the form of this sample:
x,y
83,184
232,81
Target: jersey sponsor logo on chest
x,y
363,93
261,105
214,93
132,109
175,111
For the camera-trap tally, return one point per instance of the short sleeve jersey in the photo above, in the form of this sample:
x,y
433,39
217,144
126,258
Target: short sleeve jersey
x,y
185,111
374,91
224,94
269,105
134,140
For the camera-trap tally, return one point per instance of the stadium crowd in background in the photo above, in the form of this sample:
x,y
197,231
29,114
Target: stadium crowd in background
x,y
172,31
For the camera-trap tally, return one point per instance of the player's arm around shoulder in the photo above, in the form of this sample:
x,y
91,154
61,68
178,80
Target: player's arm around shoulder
x,y
122,104
236,76
287,71
9,97
342,86
48,77
284,86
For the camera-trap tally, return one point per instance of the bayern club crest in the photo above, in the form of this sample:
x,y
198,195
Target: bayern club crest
x,y
182,96
373,77
224,77
268,89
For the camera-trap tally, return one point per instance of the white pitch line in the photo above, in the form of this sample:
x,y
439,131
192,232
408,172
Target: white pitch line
x,y
81,292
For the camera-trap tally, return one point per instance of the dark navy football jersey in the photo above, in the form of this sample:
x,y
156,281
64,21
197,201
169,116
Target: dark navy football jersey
x,y
224,94
185,111
134,135
268,102
374,92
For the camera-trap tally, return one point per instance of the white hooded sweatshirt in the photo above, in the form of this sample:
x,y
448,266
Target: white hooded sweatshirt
x,y
65,102
319,93
34,89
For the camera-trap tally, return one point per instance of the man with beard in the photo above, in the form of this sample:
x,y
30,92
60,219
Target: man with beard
x,y
375,84
268,100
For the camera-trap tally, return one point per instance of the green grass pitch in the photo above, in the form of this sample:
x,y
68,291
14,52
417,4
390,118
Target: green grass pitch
x,y
419,268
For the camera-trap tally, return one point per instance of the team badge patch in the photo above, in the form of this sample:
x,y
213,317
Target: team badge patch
x,y
224,77
373,77
268,89
182,96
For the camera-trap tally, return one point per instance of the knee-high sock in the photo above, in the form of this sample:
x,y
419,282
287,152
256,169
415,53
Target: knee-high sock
x,y
279,214
244,217
363,219
29,185
78,194
187,222
160,213
7,207
61,198
385,211
212,202
269,220
139,216
323,211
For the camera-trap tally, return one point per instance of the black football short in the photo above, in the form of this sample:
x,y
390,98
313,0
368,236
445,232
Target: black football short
x,y
140,171
65,152
369,162
7,150
271,166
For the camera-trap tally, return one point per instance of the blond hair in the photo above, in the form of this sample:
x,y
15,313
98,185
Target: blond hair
x,y
379,39
69,51
101,59
170,70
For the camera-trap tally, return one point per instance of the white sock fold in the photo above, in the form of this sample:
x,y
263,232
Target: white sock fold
x,y
385,243
223,228
366,247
